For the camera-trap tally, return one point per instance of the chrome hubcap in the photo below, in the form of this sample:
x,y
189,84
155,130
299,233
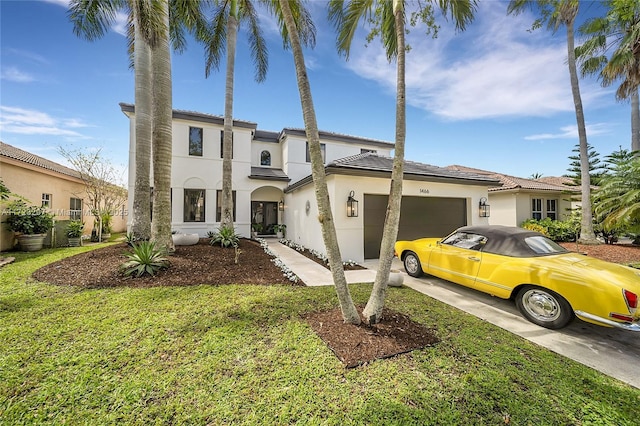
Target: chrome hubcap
x,y
541,305
411,264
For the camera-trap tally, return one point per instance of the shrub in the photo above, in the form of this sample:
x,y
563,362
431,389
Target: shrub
x,y
145,258
74,229
226,237
28,220
555,229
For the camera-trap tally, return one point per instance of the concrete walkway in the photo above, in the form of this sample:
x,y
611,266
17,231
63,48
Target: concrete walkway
x,y
611,351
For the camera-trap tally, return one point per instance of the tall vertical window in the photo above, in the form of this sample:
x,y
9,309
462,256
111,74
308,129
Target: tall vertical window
x,y
222,144
536,208
323,150
194,200
219,205
46,201
195,141
265,158
552,209
75,208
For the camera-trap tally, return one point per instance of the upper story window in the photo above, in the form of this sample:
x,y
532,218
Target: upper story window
x,y
195,141
265,158
364,151
323,150
75,208
46,201
222,144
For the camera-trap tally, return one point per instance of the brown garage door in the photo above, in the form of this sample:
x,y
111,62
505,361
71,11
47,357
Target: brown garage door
x,y
419,217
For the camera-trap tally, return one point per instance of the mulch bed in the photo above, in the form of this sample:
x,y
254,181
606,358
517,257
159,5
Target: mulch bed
x,y
616,253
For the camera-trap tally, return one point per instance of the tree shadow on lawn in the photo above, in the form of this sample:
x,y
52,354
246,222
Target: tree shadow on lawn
x,y
212,265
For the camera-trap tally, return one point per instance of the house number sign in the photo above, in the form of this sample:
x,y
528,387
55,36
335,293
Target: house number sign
x,y
424,191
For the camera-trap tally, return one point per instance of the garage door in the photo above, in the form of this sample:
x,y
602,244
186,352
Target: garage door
x,y
419,217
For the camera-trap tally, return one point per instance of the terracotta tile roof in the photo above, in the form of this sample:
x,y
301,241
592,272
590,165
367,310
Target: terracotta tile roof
x,y
513,182
557,180
26,157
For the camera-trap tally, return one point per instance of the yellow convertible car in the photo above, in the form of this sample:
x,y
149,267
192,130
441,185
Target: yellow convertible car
x,y
550,284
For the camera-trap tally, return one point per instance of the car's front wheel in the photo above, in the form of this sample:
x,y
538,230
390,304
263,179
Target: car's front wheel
x,y
544,307
412,264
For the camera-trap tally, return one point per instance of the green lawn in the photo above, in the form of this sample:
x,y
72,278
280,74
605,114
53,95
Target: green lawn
x,y
242,355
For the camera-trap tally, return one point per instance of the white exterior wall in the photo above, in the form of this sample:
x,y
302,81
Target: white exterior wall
x,y
305,228
274,150
503,210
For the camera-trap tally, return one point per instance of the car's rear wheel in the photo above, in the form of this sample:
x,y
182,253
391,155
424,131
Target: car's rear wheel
x,y
544,307
412,264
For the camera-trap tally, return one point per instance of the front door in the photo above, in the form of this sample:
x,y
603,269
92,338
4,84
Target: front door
x,y
264,214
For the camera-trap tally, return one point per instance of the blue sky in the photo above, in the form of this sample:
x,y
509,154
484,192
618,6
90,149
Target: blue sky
x,y
495,97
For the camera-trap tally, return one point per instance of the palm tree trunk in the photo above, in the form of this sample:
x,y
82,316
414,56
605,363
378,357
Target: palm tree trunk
x,y
162,137
141,220
349,312
635,122
373,311
227,143
587,236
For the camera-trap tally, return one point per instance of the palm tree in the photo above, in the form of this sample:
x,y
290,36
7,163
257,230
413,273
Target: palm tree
x,y
225,22
556,13
618,30
389,22
295,24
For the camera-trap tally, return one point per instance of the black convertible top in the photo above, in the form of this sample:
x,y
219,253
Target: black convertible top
x,y
505,240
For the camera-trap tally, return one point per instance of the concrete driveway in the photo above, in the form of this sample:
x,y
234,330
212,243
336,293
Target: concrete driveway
x,y
614,352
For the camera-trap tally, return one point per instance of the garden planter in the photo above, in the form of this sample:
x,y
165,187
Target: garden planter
x,y
105,237
31,242
75,242
185,239
395,278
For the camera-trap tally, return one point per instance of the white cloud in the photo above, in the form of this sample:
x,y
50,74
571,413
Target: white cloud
x,y
15,75
119,26
494,69
32,122
571,132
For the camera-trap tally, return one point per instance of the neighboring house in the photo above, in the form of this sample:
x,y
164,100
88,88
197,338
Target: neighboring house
x,y
519,199
45,183
272,184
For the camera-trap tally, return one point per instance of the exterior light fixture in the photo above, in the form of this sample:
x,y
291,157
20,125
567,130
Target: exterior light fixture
x,y
484,208
352,205
281,205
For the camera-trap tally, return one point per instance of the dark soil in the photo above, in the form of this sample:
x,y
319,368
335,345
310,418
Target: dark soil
x,y
204,264
616,253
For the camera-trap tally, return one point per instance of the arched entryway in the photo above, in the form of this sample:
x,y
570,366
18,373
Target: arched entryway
x,y
265,212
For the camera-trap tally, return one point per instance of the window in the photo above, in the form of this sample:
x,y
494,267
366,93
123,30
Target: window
x,y
219,205
75,208
466,240
265,158
46,201
552,211
536,208
194,205
364,151
222,144
323,150
195,141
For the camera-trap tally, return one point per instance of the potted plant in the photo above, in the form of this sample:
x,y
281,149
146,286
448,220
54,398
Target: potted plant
x,y
74,233
30,223
256,228
280,230
106,218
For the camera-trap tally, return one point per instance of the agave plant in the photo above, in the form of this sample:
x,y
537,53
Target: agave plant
x,y
226,237
145,258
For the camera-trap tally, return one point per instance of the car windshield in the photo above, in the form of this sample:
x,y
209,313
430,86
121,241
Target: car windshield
x,y
543,245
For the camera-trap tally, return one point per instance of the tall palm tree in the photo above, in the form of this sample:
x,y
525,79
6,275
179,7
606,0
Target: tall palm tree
x,y
295,25
389,22
227,18
618,30
556,13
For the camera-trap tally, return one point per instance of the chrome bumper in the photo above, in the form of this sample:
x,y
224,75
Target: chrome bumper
x,y
605,321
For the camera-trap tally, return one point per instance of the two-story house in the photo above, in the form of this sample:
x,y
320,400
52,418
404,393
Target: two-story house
x,y
272,184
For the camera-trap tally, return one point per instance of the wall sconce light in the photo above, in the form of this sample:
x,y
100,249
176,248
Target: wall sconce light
x,y
484,208
281,205
352,205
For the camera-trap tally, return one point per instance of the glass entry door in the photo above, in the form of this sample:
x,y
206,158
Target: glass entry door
x,y
264,214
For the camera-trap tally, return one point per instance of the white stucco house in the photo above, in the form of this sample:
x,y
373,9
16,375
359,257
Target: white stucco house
x,y
518,199
272,184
